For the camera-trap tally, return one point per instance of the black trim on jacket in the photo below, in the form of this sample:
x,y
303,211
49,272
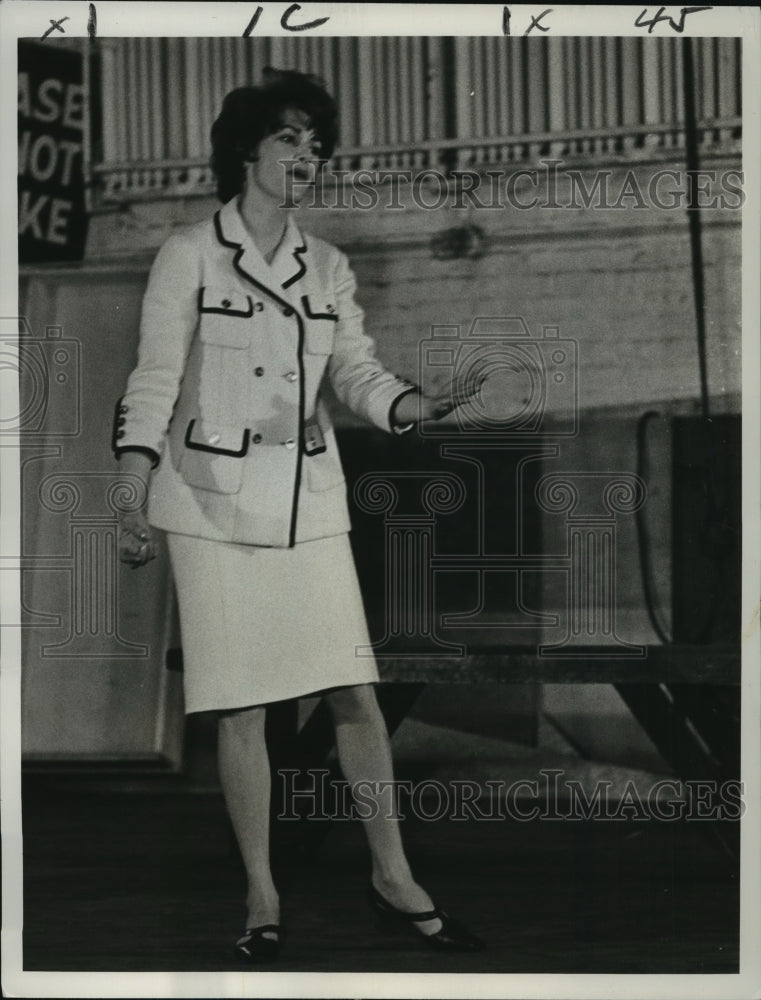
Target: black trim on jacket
x,y
116,424
298,251
142,450
221,309
313,315
400,428
116,432
287,310
199,446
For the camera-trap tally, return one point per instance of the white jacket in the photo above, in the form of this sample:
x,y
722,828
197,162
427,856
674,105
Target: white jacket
x,y
226,389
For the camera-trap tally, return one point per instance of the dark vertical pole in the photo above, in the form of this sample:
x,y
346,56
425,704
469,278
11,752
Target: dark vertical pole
x,y
694,219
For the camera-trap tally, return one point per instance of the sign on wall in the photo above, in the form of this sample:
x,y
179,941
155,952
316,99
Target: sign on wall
x,y
52,222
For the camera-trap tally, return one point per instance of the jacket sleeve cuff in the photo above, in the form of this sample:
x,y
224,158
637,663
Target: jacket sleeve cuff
x,y
118,452
118,432
396,427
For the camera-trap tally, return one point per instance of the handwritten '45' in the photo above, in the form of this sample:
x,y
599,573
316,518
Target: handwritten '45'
x,y
661,16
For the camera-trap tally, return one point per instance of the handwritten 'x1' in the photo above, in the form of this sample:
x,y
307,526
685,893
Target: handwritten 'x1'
x,y
55,25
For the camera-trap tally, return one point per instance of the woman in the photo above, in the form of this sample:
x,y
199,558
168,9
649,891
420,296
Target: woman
x,y
222,419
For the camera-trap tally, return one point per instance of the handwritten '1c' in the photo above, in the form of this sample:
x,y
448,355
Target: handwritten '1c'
x,y
299,27
252,22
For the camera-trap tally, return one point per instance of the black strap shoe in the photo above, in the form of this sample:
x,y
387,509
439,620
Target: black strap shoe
x,y
452,936
253,947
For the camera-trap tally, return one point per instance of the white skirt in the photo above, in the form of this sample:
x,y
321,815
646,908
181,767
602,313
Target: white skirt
x,y
265,624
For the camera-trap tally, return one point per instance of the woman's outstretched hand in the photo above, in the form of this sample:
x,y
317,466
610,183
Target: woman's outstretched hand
x,y
438,402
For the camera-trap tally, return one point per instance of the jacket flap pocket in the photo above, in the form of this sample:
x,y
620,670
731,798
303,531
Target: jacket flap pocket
x,y
218,439
317,308
320,325
225,327
212,299
213,457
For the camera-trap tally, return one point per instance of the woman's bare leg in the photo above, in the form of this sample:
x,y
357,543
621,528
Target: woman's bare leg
x,y
364,753
244,772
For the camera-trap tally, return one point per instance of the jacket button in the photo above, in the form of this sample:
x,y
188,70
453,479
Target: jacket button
x,y
290,443
330,309
226,303
259,306
120,434
259,371
121,422
287,311
291,376
123,408
257,439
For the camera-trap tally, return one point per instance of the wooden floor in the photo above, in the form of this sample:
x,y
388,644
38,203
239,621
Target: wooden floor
x,y
148,880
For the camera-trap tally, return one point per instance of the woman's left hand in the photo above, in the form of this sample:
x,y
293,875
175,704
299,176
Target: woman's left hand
x,y
435,404
444,400
137,545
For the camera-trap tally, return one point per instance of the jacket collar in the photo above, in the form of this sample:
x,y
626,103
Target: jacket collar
x,y
288,265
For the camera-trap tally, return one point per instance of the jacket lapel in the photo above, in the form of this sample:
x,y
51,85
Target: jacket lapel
x,y
288,266
289,263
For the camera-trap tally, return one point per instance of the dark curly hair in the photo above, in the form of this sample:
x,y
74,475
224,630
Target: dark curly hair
x,y
249,114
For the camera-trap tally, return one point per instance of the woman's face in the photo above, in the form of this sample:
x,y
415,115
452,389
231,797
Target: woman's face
x,y
287,160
